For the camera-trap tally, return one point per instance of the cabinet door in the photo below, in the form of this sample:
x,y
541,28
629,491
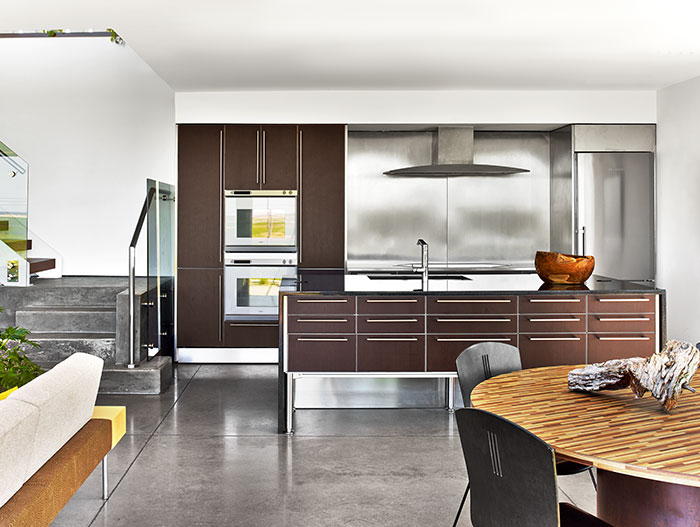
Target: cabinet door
x,y
200,196
279,157
200,308
322,196
242,157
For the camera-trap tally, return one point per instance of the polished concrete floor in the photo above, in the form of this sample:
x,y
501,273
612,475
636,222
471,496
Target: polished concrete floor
x,y
206,453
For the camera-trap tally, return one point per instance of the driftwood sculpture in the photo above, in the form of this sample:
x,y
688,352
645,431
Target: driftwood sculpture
x,y
664,374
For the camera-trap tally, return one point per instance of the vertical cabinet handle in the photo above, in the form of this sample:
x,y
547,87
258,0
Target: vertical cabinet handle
x,y
301,201
221,192
221,310
257,157
263,158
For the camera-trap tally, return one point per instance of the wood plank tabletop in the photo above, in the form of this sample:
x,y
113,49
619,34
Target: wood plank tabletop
x,y
611,430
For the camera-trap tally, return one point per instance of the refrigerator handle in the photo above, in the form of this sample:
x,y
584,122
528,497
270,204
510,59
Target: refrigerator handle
x,y
583,240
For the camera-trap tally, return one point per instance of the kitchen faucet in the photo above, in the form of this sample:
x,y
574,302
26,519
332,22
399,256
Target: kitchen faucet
x,y
423,267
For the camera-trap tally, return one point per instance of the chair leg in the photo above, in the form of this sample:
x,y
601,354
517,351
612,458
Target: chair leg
x,y
595,483
105,483
459,511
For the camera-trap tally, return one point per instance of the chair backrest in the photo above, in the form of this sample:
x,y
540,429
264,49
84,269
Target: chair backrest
x,y
482,361
512,472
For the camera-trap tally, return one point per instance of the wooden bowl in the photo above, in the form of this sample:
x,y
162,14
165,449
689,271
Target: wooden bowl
x,y
558,268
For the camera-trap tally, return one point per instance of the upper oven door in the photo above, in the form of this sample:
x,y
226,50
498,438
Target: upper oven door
x,y
259,221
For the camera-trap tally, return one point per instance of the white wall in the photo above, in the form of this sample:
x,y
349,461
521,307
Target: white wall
x,y
94,122
474,107
678,206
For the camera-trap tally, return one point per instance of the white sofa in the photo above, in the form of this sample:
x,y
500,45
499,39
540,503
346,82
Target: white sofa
x,y
40,417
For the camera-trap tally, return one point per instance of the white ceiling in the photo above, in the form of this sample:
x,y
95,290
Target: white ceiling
x,y
208,45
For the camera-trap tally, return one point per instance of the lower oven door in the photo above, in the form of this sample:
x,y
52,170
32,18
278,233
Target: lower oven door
x,y
252,292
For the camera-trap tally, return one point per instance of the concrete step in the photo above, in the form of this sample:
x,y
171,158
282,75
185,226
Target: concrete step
x,y
57,346
152,377
68,319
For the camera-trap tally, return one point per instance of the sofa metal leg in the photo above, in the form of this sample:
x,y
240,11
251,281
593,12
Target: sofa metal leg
x,y
105,483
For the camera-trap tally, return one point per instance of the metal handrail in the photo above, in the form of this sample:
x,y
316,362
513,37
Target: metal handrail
x,y
132,273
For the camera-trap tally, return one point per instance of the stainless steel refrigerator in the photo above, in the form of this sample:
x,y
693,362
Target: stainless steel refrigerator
x,y
614,218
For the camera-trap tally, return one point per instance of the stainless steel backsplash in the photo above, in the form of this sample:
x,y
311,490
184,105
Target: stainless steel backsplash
x,y
466,220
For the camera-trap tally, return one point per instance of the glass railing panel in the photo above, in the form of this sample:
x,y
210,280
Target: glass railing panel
x,y
161,267
14,188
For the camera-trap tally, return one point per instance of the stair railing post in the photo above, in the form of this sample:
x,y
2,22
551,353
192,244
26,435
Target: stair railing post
x,y
132,278
132,298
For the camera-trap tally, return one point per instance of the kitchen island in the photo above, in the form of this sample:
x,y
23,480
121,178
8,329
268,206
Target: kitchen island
x,y
385,325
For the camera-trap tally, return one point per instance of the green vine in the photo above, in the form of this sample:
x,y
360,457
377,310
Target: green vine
x,y
114,37
51,32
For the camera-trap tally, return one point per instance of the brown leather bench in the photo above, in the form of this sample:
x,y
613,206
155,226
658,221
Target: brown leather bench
x,y
43,495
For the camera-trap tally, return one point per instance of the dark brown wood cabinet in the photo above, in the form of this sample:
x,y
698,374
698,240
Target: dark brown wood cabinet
x,y
279,157
242,146
322,196
251,334
261,157
199,308
200,196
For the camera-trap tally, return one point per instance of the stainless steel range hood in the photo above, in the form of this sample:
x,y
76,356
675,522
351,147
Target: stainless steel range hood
x,y
453,148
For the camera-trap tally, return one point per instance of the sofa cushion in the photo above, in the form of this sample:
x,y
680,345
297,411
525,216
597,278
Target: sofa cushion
x,y
18,424
65,397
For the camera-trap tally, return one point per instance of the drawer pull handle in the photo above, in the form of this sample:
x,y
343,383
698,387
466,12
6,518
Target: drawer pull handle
x,y
464,301
624,319
406,320
406,339
321,340
554,319
344,301
473,320
253,325
554,338
623,338
553,300
623,300
404,301
495,339
322,320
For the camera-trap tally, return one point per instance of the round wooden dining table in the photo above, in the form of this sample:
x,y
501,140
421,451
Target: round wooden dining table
x,y
647,460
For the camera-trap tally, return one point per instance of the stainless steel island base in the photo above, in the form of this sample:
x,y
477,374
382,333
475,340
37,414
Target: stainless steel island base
x,y
291,377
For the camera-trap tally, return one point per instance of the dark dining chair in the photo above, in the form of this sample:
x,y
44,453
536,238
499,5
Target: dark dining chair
x,y
485,360
513,476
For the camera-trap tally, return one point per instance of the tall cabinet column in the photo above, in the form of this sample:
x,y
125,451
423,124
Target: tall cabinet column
x,y
200,236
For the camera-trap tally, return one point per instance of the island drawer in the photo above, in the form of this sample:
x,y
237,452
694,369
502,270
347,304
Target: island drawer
x,y
314,352
391,305
552,323
607,346
552,349
321,324
443,350
391,353
310,305
622,304
390,324
621,323
471,305
552,304
472,324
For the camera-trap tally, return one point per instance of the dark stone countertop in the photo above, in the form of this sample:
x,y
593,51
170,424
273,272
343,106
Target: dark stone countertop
x,y
378,283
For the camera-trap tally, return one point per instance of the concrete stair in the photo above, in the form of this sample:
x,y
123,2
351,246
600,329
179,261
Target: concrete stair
x,y
79,314
83,318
